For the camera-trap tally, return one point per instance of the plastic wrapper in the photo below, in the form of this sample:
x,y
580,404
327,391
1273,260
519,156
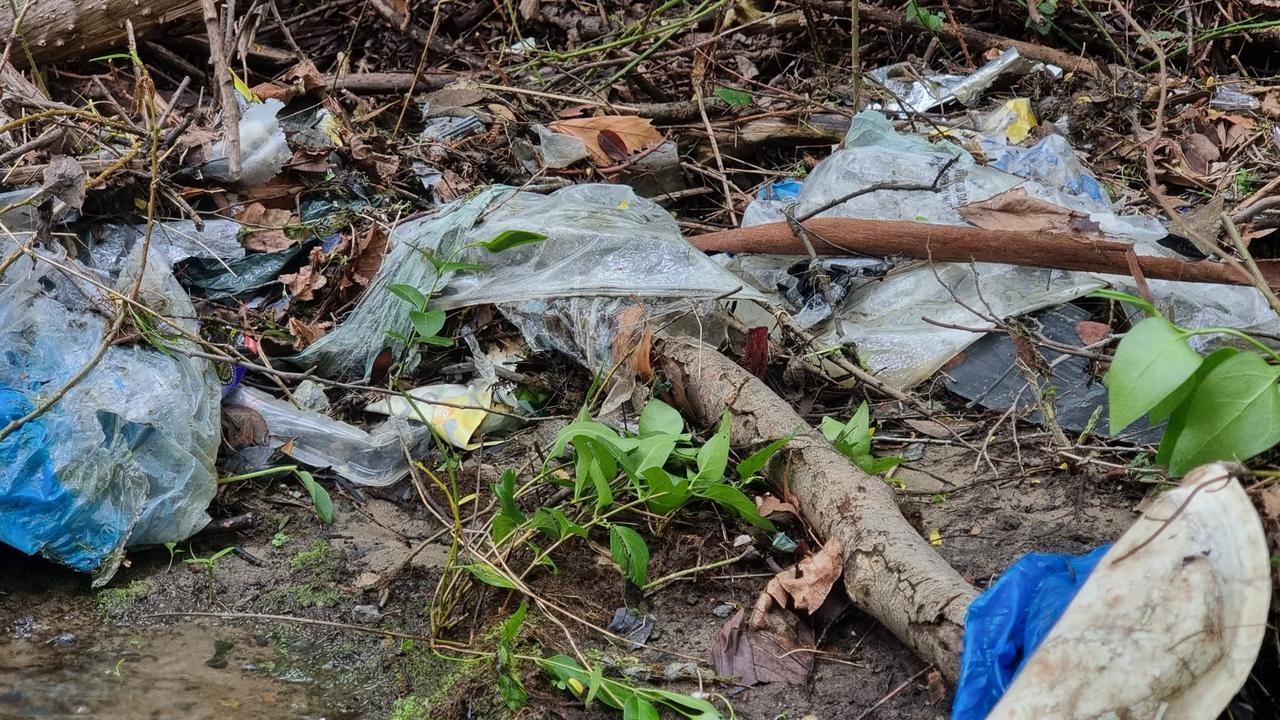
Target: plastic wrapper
x,y
174,240
883,317
915,92
263,149
606,250
376,458
1006,624
126,456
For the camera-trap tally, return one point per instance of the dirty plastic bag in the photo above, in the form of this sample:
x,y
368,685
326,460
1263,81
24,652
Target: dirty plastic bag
x,y
883,317
1169,623
1008,621
263,148
126,457
375,458
606,249
918,93
175,240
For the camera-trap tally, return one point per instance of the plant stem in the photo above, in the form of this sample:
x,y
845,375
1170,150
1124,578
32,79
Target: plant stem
x,y
257,474
655,584
1235,334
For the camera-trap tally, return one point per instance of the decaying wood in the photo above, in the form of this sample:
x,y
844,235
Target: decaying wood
x,y
890,571
955,243
55,30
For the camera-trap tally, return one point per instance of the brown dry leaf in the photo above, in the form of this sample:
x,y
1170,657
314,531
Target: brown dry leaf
x,y
242,426
806,584
1271,502
266,228
1200,152
1014,210
1271,104
304,283
385,166
1091,332
766,653
634,341
305,334
936,689
530,9
768,504
366,257
628,133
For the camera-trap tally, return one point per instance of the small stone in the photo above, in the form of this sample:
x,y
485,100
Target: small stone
x,y
64,640
975,531
723,611
365,614
741,540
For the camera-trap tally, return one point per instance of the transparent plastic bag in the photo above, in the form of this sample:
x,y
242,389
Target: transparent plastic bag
x,y
126,456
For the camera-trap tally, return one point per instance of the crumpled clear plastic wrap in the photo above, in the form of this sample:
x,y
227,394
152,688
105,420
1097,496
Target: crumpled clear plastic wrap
x,y
126,457
174,240
263,148
378,458
883,317
917,93
606,249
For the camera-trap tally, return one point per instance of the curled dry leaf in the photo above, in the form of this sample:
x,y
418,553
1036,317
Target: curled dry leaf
x,y
634,341
305,334
1271,503
1014,210
626,135
804,585
266,228
766,653
304,283
767,505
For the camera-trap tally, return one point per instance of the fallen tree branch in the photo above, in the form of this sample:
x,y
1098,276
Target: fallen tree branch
x,y
957,243
55,30
890,571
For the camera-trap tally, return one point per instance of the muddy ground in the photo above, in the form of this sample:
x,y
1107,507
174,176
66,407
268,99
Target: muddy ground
x,y
70,651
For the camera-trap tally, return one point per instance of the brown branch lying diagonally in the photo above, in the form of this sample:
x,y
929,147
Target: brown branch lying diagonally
x,y
890,571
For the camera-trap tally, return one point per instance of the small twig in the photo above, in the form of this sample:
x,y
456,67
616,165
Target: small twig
x,y
227,90
1259,281
893,693
934,186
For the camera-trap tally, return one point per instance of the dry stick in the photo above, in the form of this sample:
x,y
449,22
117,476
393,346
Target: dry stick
x,y
227,91
890,571
1260,281
956,243
422,63
892,693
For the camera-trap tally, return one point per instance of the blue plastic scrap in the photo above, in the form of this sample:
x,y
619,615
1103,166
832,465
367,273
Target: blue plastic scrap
x,y
1006,624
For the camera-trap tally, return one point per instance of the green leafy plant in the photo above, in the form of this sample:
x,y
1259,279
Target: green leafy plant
x,y
279,540
636,703
209,564
320,499
932,20
853,440
510,688
735,99
1224,406
1042,20
174,550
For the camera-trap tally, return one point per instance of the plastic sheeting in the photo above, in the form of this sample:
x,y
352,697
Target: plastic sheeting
x,y
606,250
1006,624
126,456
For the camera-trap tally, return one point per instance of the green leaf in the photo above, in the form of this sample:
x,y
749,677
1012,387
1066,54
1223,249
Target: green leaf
x,y
659,417
666,493
505,490
594,466
1179,409
512,691
511,627
733,498
637,708
489,576
736,99
1151,362
654,451
1234,415
687,705
556,524
320,499
756,461
438,341
591,430
713,458
594,680
569,675
873,465
411,295
630,553
1125,297
502,527
508,239
427,323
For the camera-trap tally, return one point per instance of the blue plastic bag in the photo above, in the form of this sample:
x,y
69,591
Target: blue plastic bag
x,y
1006,624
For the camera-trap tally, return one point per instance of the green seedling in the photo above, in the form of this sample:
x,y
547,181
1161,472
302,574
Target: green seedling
x,y
209,564
853,440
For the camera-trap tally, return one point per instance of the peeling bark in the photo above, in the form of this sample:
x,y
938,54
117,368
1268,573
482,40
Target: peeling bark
x,y
55,30
889,570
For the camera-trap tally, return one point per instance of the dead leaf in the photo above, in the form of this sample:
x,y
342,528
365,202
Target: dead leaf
x,y
1091,332
383,165
936,689
629,134
273,91
64,179
1199,152
305,334
530,9
365,253
805,584
634,341
1271,502
1014,210
266,228
243,426
766,653
767,505
304,283
309,161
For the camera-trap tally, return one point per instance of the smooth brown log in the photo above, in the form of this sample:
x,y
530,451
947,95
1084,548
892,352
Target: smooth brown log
x,y
957,243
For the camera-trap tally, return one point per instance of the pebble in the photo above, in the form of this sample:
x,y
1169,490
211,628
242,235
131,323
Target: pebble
x,y
723,611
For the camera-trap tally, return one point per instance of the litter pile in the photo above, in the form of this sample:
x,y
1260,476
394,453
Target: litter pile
x,y
616,301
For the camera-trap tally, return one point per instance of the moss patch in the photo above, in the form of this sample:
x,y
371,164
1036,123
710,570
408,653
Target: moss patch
x,y
114,603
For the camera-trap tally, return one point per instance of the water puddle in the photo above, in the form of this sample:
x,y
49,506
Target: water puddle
x,y
193,671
